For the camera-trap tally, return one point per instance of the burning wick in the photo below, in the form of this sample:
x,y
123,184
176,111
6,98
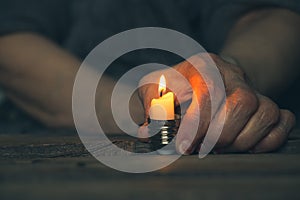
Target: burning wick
x,y
162,86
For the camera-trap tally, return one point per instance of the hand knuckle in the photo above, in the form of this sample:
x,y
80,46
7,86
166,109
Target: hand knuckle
x,y
237,70
269,113
291,117
244,101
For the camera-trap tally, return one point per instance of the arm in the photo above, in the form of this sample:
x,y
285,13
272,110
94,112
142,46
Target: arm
x,y
38,76
266,45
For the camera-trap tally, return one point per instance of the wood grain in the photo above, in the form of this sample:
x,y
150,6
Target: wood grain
x,y
49,166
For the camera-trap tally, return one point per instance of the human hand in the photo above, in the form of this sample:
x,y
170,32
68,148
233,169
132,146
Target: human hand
x,y
253,122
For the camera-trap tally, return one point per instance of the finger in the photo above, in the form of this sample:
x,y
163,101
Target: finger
x,y
213,133
143,133
194,124
186,140
241,102
259,125
278,134
240,105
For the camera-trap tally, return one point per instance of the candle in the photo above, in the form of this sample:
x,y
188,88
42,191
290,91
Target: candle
x,y
163,107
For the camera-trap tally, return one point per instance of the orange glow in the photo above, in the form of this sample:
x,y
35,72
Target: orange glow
x,y
162,85
162,108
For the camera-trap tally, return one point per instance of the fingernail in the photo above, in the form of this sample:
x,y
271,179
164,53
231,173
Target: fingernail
x,y
183,147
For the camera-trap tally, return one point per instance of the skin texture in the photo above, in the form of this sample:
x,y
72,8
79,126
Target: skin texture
x,y
259,58
38,76
253,122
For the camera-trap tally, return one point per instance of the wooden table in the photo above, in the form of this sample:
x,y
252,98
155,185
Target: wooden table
x,y
56,166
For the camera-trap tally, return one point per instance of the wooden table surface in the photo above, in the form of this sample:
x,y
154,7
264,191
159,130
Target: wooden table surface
x,y
57,166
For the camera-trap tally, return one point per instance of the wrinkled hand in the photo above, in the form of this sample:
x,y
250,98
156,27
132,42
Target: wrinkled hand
x,y
253,122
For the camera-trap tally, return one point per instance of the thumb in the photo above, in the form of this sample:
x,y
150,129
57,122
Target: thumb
x,y
189,122
143,133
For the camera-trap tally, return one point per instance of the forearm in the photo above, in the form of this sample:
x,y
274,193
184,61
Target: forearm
x,y
38,76
266,45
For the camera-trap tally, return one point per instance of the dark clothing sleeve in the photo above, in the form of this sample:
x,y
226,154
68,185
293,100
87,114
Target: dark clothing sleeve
x,y
50,18
208,21
220,15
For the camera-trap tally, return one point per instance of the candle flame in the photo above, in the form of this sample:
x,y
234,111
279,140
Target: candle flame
x,y
162,85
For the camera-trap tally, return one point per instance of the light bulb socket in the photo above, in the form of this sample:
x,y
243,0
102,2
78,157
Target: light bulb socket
x,y
163,133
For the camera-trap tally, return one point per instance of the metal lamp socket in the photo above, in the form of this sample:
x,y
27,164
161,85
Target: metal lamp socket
x,y
163,132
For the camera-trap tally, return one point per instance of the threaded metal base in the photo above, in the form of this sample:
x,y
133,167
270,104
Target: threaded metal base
x,y
163,132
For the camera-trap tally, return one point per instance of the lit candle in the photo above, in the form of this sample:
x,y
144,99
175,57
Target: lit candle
x,y
163,107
